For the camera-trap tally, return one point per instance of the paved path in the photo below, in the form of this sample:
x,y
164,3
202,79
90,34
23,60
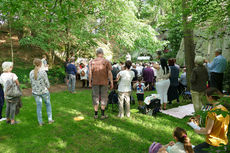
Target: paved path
x,y
55,88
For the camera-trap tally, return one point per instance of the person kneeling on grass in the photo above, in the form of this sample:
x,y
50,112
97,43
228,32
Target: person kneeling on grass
x,y
216,128
124,89
40,84
140,86
182,144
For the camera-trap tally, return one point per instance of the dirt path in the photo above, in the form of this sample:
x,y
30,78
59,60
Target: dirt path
x,y
55,88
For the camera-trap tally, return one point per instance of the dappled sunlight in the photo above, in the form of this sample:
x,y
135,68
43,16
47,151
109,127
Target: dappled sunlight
x,y
120,131
59,143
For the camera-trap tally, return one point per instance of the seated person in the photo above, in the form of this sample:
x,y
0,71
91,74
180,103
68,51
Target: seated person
x,y
182,144
216,128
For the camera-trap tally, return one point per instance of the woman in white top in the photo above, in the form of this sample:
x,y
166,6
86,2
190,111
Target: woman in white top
x,y
8,75
182,144
162,81
40,84
84,75
124,89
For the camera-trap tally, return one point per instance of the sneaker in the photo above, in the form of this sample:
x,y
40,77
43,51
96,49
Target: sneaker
x,y
40,124
50,122
104,117
95,116
8,122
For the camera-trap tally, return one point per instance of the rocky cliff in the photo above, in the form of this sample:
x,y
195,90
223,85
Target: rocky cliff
x,y
205,45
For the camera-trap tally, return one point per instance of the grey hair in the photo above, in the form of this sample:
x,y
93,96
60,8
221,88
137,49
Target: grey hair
x,y
219,50
99,51
6,66
199,60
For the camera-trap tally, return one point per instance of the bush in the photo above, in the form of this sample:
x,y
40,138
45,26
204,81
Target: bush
x,y
56,75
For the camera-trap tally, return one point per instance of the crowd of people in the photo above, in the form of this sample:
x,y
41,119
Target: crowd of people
x,y
162,75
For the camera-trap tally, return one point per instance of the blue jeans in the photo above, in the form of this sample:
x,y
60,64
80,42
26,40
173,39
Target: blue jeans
x,y
72,83
46,98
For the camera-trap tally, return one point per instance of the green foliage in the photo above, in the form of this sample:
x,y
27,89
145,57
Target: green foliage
x,y
56,75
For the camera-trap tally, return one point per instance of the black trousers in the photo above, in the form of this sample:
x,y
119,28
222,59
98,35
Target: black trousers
x,y
1,100
216,81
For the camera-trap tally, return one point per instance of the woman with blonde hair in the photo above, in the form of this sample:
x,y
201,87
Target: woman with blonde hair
x,y
5,76
40,85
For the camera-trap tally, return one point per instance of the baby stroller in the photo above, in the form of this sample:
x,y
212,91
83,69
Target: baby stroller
x,y
152,105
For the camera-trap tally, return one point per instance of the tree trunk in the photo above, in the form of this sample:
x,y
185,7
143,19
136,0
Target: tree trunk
x,y
11,42
189,47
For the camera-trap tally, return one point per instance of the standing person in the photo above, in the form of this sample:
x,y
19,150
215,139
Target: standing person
x,y
162,80
216,125
1,101
198,81
139,69
40,84
140,86
10,105
148,76
44,66
72,71
99,74
217,68
135,72
182,82
124,89
174,83
84,75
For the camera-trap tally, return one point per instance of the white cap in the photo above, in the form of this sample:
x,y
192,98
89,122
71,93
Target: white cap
x,y
6,66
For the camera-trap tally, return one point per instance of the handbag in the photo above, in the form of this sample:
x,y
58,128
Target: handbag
x,y
12,89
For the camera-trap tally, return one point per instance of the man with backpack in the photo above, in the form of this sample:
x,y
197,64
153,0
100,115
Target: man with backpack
x,y
99,74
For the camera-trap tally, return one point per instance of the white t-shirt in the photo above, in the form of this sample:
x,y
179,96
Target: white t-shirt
x,y
7,76
126,77
139,70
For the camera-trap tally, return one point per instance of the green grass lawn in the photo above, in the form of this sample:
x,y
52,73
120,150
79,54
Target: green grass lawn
x,y
113,135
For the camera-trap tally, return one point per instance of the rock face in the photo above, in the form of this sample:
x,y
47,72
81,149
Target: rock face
x,y
205,45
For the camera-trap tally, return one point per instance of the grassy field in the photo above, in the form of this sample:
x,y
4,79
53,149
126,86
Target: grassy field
x,y
114,135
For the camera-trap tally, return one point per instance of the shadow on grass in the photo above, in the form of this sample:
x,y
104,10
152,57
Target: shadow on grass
x,y
66,135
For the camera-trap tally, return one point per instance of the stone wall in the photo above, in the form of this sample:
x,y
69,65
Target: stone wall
x,y
205,45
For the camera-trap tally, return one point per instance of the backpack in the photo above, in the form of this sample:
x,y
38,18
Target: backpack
x,y
154,148
115,71
113,97
12,90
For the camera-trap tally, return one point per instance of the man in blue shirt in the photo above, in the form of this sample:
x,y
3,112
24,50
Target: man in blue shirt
x,y
216,69
71,71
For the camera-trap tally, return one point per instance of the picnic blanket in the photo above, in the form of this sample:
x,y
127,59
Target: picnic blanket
x,y
180,112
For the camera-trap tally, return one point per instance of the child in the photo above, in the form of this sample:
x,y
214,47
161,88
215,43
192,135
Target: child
x,y
140,86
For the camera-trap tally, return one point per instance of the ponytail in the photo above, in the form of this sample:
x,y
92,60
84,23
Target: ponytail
x,y
182,137
37,63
